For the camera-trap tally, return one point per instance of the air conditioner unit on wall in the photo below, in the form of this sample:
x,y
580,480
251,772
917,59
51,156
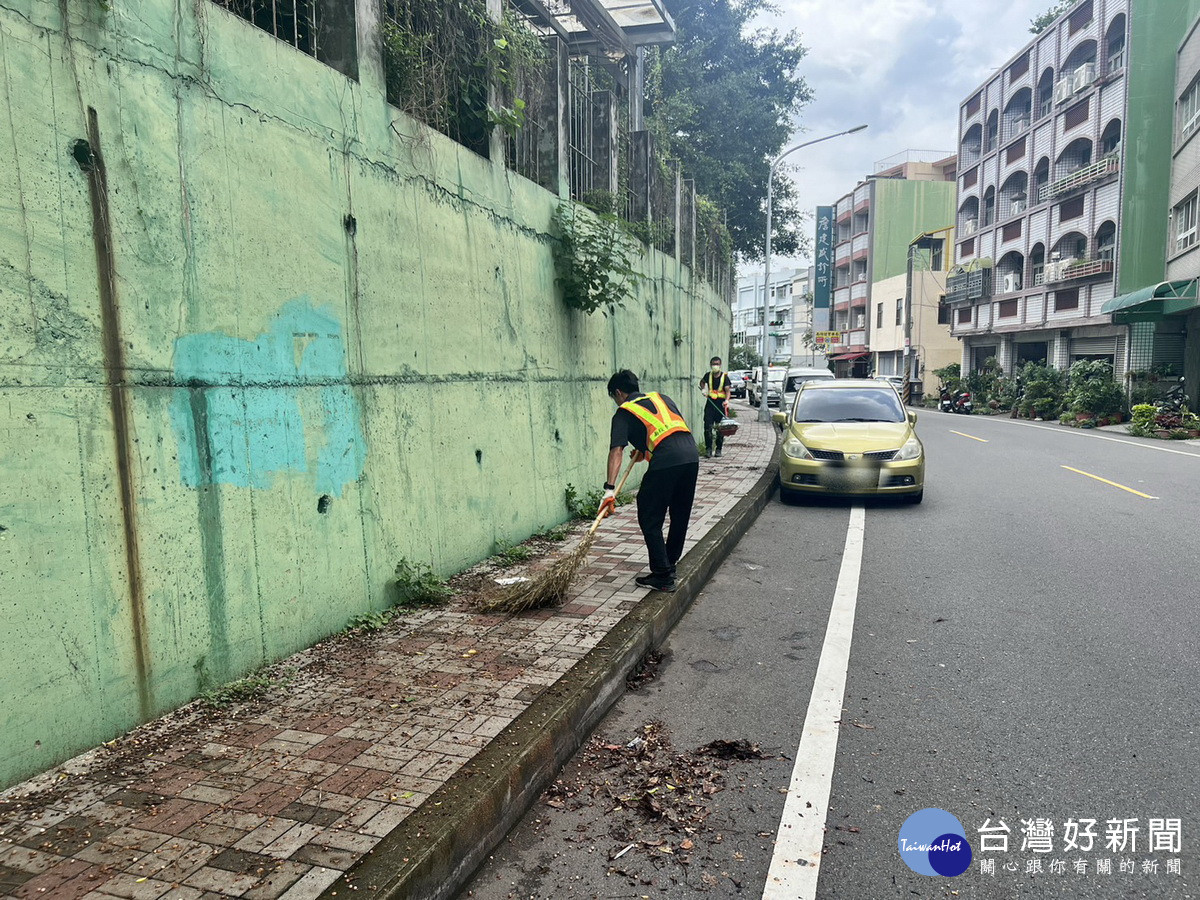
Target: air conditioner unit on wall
x,y
1082,77
1016,207
1012,282
971,226
1062,91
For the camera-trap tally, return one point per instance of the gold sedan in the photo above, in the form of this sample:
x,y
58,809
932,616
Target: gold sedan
x,y
850,437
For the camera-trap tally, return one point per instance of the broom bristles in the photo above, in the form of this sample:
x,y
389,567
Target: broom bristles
x,y
547,589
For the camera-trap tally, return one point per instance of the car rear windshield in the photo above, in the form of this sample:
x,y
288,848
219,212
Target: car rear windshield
x,y
794,381
848,405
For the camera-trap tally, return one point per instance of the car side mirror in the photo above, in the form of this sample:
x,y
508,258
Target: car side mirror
x,y
912,417
779,418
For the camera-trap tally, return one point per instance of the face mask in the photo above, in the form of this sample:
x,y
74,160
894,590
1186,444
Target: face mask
x,y
716,369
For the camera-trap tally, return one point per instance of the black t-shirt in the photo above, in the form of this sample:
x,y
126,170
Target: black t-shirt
x,y
722,380
674,450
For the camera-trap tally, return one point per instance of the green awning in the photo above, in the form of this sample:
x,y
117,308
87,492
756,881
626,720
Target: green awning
x,y
1151,304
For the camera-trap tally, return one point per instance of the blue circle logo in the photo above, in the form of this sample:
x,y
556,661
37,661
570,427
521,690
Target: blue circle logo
x,y
933,842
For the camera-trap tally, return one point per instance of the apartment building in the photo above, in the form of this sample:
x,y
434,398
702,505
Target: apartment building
x,y
804,351
1039,203
909,195
909,318
1160,254
772,338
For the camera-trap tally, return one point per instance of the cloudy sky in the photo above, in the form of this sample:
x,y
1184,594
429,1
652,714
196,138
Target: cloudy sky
x,y
900,66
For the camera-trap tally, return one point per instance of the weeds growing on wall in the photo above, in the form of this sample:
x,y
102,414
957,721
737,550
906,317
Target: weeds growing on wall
x,y
587,506
508,554
417,585
593,259
252,687
440,56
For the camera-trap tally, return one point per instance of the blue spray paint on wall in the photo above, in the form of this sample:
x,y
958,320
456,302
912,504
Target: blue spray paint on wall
x,y
241,420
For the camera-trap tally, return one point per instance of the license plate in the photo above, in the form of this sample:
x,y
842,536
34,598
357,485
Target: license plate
x,y
858,478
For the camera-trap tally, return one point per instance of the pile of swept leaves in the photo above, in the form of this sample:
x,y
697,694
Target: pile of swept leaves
x,y
656,797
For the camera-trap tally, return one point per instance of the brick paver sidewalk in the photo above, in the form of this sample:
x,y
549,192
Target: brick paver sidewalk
x,y
277,799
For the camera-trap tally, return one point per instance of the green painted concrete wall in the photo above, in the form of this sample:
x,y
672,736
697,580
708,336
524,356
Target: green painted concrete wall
x,y
418,371
1155,31
902,210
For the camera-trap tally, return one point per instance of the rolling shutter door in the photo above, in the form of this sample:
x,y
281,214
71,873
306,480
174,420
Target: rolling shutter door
x,y
1168,351
1100,346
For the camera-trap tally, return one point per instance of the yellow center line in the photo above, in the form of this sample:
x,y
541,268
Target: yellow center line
x,y
971,436
1113,483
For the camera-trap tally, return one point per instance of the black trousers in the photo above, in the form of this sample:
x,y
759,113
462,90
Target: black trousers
x,y
669,490
712,415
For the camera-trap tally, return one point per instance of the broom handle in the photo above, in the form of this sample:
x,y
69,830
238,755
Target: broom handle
x,y
616,493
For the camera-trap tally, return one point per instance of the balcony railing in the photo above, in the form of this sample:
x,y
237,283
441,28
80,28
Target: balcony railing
x,y
969,286
1080,178
1075,269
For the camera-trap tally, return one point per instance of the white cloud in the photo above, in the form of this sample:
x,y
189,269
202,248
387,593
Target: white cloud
x,y
901,66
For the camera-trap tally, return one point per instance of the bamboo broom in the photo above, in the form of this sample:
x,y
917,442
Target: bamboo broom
x,y
551,586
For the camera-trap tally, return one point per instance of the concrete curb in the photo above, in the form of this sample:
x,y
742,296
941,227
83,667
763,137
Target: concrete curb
x,y
434,852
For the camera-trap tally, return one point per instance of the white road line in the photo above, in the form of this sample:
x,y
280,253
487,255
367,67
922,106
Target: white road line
x,y
801,835
1079,432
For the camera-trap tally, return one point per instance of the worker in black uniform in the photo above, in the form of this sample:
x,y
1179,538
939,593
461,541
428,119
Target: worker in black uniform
x,y
715,386
654,426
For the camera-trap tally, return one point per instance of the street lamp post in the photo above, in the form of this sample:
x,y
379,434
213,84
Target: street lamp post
x,y
764,413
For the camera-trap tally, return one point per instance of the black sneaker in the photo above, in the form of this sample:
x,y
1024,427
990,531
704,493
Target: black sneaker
x,y
718,453
656,582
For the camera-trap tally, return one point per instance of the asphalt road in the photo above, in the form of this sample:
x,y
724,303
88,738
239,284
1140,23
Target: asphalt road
x,y
1023,649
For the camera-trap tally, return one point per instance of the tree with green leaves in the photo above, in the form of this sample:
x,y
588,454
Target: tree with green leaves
x,y
1046,19
723,100
743,357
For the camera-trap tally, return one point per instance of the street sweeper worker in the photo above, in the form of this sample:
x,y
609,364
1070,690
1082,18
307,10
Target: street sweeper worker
x,y
654,426
715,386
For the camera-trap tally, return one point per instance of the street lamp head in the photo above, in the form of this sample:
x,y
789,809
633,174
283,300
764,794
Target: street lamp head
x,y
856,129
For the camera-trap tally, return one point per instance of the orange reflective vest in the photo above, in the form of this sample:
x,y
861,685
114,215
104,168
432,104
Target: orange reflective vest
x,y
660,423
721,391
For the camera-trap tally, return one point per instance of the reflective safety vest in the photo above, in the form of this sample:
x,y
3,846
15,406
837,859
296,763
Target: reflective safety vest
x,y
660,423
721,391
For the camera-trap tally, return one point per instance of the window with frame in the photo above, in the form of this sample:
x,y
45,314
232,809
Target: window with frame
x,y
879,315
899,310
973,105
1189,110
1076,115
1080,17
1064,300
1015,151
1007,309
1070,209
943,311
323,29
964,316
1018,68
1184,218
